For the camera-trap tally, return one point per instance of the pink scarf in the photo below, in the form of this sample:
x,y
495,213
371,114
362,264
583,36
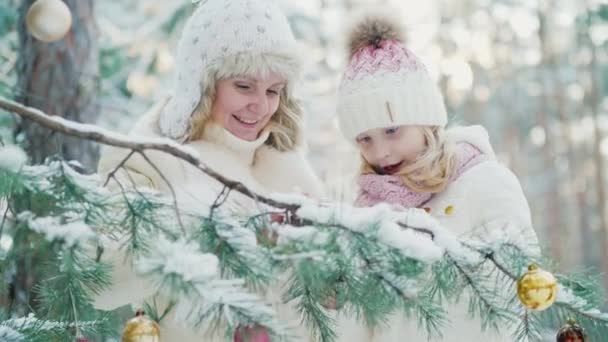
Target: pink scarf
x,y
376,188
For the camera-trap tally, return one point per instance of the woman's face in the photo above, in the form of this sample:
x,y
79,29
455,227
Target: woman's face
x,y
389,149
244,105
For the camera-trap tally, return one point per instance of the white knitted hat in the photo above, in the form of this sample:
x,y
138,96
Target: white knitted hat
x,y
223,39
385,84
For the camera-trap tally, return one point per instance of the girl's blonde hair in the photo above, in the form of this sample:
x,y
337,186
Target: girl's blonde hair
x,y
432,170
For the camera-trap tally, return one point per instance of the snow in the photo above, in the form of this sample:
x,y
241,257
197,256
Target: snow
x,y
90,129
236,299
12,158
314,255
363,220
9,335
72,233
289,234
497,234
565,296
6,242
180,258
234,233
391,231
31,322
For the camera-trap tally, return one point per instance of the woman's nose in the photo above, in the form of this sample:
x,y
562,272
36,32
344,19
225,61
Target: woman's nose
x,y
259,104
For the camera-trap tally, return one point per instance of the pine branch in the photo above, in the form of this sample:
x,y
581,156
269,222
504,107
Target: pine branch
x,y
4,217
303,212
307,288
94,133
480,305
191,278
570,305
10,335
171,189
118,167
528,328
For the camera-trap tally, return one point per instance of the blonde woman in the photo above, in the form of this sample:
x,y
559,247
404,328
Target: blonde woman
x,y
233,105
391,110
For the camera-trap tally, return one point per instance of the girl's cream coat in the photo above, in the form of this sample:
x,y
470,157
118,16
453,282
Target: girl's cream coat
x,y
482,201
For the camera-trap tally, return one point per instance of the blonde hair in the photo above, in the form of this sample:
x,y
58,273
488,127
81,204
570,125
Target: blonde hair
x,y
285,125
432,170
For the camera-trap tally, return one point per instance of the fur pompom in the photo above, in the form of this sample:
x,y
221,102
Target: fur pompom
x,y
371,29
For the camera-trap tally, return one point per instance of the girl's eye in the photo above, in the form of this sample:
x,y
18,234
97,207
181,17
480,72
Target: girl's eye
x,y
273,92
392,130
365,139
243,86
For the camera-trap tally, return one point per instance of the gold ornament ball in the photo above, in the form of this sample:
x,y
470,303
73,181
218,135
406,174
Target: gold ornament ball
x,y
537,289
141,329
48,20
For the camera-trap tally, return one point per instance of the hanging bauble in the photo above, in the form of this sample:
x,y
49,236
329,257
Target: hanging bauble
x,y
254,333
141,329
537,289
48,20
571,332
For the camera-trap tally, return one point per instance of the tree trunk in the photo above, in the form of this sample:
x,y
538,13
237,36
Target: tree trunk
x,y
554,224
600,167
60,78
571,232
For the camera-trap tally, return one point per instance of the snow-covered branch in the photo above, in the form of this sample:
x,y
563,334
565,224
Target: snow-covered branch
x,y
102,136
379,234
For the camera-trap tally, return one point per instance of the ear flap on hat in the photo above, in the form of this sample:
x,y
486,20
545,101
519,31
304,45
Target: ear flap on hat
x,y
189,79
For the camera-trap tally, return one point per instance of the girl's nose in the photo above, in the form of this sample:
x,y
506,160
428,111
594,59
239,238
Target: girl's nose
x,y
382,152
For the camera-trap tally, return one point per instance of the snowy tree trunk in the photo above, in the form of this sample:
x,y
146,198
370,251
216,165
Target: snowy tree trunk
x,y
60,78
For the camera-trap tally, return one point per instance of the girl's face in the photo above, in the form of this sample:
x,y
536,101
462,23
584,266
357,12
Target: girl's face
x,y
387,150
244,105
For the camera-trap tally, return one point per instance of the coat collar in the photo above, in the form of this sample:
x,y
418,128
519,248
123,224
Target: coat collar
x,y
475,135
245,149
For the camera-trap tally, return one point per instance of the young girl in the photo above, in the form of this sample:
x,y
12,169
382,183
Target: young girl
x,y
390,108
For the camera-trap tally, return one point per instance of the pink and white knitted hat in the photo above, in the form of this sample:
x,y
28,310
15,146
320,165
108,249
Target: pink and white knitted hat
x,y
385,83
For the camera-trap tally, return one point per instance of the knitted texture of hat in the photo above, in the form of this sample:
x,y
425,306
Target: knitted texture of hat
x,y
217,30
390,56
385,84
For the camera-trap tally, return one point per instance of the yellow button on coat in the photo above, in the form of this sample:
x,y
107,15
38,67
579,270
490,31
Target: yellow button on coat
x,y
449,210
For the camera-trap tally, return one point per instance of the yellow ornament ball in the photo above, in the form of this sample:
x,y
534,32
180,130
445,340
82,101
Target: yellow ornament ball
x,y
141,329
537,289
48,20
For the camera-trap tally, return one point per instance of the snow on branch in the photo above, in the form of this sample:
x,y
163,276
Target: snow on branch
x,y
414,233
102,136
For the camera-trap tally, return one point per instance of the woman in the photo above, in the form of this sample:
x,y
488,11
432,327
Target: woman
x,y
233,105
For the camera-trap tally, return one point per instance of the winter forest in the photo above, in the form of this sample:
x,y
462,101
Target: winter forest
x,y
108,253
